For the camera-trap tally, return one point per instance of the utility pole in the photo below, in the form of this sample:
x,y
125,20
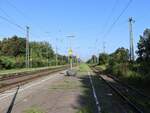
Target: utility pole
x,y
31,57
27,47
104,47
47,57
131,39
56,57
62,59
93,59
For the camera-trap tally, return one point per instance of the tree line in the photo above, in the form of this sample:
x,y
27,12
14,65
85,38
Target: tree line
x,y
13,52
119,64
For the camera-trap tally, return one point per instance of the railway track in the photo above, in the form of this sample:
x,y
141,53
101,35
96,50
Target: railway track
x,y
23,78
137,100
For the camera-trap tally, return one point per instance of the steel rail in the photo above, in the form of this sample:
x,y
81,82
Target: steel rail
x,y
31,78
132,104
20,74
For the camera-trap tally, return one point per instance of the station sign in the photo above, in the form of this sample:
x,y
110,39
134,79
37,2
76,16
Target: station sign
x,y
70,52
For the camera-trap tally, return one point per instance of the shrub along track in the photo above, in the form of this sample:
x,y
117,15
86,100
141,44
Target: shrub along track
x,y
137,100
10,81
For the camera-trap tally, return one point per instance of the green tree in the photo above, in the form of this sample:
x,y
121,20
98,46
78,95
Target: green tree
x,y
118,61
0,47
41,53
13,52
144,46
103,58
121,55
144,51
14,46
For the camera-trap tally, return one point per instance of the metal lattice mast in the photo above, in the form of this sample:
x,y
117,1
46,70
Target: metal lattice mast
x,y
131,39
27,47
56,56
104,47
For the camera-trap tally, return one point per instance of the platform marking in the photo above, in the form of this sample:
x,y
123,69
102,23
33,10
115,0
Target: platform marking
x,y
94,94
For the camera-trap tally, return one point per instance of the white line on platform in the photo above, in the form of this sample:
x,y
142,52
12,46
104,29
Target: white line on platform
x,y
94,94
5,95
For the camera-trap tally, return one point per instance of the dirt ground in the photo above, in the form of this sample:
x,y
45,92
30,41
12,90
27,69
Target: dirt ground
x,y
59,95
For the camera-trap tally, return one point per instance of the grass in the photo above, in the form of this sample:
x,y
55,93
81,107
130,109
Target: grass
x,y
66,84
13,71
85,109
101,91
101,67
86,97
132,78
34,110
84,68
78,83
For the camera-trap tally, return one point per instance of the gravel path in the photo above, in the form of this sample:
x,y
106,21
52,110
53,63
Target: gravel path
x,y
56,94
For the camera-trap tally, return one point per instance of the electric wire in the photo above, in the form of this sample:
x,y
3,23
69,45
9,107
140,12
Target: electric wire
x,y
23,15
110,14
12,23
5,13
108,18
17,9
117,19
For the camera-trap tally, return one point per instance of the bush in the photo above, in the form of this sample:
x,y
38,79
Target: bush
x,y
52,62
39,63
7,62
20,62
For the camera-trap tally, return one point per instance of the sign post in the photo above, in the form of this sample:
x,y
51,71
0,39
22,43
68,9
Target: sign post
x,y
70,57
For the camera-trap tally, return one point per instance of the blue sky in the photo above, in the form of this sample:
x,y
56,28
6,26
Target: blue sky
x,y
85,19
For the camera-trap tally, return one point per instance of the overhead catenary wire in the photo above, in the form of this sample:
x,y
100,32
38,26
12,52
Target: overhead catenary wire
x,y
13,23
108,19
110,14
117,19
5,13
17,9
27,18
10,20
